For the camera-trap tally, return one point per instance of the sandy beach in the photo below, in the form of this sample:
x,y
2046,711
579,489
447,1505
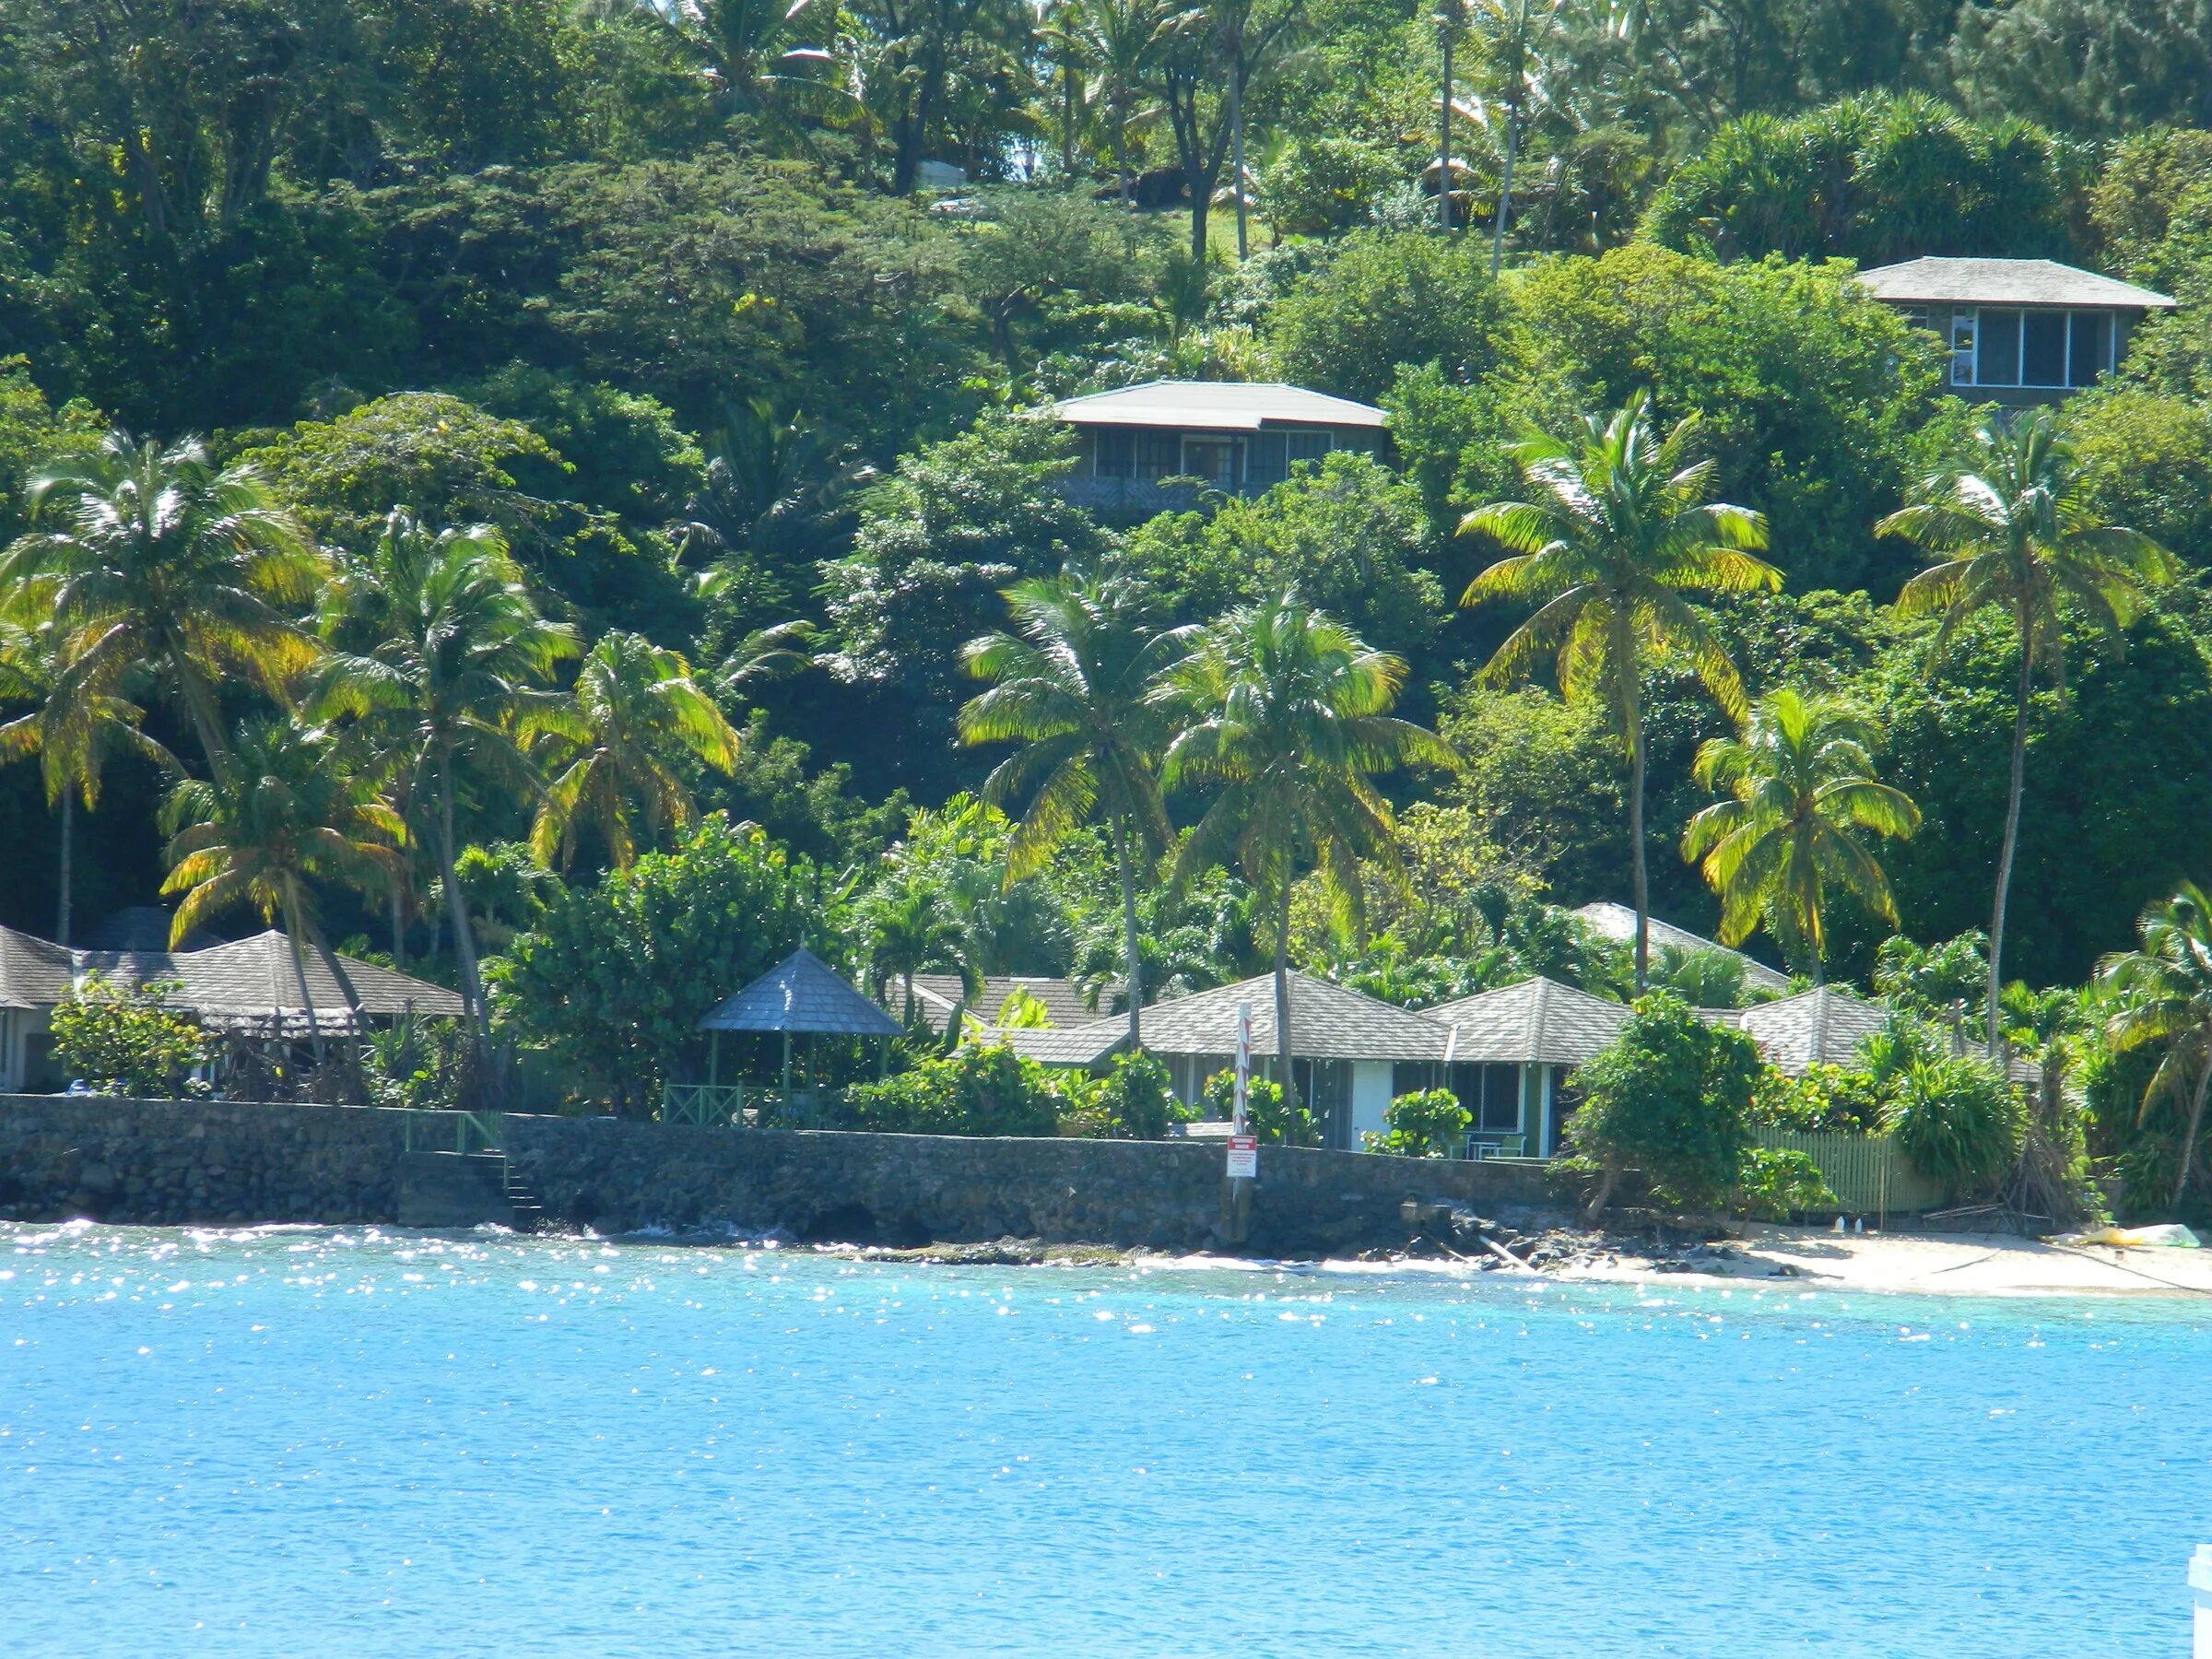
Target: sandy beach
x,y
1921,1264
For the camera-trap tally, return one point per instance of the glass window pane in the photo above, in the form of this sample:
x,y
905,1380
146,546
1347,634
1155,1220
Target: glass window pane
x,y
1156,454
1307,446
1115,450
2043,349
2092,348
1269,463
1999,349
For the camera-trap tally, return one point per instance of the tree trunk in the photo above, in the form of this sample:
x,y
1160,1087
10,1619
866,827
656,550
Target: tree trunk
x,y
399,922
456,910
353,1007
1121,149
1068,117
2012,825
1132,964
294,926
61,914
1236,145
1283,1047
1443,147
1640,885
2189,1138
200,704
1505,190
1604,1196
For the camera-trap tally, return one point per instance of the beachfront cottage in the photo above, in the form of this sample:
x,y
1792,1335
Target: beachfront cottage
x,y
1510,1054
2020,331
1353,1054
1237,437
248,990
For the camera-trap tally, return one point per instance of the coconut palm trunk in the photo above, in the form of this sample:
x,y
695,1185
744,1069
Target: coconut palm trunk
x,y
1132,965
2195,1130
456,907
2012,824
1639,886
1505,189
61,915
1283,1046
294,929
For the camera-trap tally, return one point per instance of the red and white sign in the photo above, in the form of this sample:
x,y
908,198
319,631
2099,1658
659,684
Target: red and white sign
x,y
1243,1157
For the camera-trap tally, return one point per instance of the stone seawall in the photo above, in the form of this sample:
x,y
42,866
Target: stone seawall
x,y
152,1161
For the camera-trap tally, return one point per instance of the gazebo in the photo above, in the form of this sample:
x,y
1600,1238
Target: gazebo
x,y
801,994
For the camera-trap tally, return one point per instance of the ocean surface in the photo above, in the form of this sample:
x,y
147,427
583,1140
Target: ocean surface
x,y
336,1442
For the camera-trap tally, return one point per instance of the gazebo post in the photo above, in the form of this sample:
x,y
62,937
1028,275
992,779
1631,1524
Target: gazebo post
x,y
715,1060
787,1069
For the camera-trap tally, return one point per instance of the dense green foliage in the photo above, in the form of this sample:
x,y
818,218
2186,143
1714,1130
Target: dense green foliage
x,y
125,1040
1426,1123
707,402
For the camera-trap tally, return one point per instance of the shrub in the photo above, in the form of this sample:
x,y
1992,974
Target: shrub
x,y
1774,1185
1427,1123
1957,1121
1264,1108
1139,1100
1670,1096
973,1090
124,1041
1828,1100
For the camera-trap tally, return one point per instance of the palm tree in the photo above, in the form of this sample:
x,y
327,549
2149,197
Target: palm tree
x,y
1803,798
1289,720
758,55
1622,528
2013,529
2162,992
635,711
282,817
441,656
911,929
1122,41
165,561
1516,32
1074,689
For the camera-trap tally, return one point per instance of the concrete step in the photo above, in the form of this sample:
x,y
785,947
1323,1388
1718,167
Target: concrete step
x,y
453,1189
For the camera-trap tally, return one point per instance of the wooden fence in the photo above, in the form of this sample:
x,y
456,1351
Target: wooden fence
x,y
1869,1174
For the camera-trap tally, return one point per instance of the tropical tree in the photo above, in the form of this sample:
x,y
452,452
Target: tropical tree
x,y
760,57
2160,995
635,712
1289,719
1803,798
912,928
1516,34
156,557
442,659
2012,529
1622,527
1121,42
1075,688
282,818
73,737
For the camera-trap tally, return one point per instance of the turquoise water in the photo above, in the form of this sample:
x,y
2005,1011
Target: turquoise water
x,y
306,1441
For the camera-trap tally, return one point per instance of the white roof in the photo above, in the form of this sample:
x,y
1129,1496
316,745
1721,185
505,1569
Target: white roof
x,y
2006,282
1215,407
1619,922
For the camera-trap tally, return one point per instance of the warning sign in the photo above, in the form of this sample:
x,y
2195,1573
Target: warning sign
x,y
1243,1157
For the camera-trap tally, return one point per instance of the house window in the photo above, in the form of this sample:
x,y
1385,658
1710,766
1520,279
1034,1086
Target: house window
x,y
1307,446
1491,1094
1270,459
1157,454
1212,459
1116,452
2047,349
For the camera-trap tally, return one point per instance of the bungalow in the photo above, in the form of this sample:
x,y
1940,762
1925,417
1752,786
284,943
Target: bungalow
x,y
1354,1055
250,989
1237,437
2020,331
1508,1056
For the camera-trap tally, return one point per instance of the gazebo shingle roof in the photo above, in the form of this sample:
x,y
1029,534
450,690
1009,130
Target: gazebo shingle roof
x,y
1619,922
1822,1026
801,994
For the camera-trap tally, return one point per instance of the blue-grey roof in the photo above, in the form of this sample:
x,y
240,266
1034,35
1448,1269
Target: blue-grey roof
x,y
801,994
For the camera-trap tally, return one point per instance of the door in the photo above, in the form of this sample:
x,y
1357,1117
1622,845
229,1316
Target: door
x,y
1963,348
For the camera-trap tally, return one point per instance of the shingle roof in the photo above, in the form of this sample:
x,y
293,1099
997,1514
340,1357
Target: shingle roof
x,y
801,994
1328,1023
2006,282
1820,1026
1536,1022
1215,405
255,979
34,972
1619,922
936,994
1083,1045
